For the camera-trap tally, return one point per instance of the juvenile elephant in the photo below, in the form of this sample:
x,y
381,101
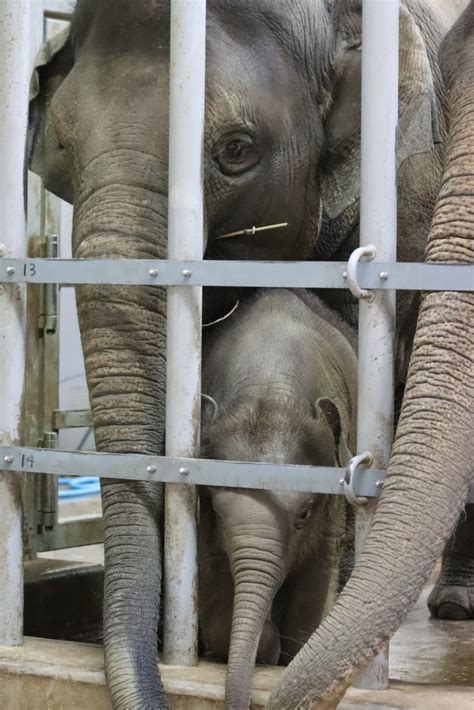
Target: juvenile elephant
x,y
282,144
280,376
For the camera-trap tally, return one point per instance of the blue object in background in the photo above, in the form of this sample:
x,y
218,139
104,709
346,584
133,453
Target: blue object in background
x,y
78,487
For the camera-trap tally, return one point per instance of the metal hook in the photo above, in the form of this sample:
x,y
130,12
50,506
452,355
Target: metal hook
x,y
348,482
368,252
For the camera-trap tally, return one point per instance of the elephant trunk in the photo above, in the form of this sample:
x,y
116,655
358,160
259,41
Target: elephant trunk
x,y
123,335
257,568
431,464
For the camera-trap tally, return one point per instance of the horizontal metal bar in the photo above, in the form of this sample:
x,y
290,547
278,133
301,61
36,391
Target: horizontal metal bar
x,y
305,274
203,472
81,530
59,9
72,418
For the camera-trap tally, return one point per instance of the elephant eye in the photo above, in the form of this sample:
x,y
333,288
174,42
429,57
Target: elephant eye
x,y
304,515
236,155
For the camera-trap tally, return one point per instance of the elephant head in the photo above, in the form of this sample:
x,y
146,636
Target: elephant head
x,y
431,464
282,135
268,535
280,383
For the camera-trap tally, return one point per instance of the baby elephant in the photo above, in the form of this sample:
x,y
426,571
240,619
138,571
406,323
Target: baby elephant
x,y
279,384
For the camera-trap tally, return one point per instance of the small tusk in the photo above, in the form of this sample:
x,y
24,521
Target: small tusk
x,y
253,230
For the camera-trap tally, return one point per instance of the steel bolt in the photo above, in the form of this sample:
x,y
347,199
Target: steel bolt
x,y
344,274
8,459
383,276
10,270
187,273
151,468
153,272
341,481
3,250
184,471
379,484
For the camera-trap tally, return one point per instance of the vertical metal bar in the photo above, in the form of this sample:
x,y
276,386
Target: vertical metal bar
x,y
185,241
14,69
378,226
32,430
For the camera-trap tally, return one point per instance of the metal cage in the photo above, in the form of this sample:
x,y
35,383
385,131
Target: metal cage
x,y
374,280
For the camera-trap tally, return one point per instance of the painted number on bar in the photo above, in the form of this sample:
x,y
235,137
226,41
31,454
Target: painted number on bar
x,y
27,461
29,270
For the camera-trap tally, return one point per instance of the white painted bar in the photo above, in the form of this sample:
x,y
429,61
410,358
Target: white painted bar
x,y
378,226
14,69
183,398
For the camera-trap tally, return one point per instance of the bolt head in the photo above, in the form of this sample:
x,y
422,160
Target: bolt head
x,y
383,276
151,468
10,270
379,484
187,273
153,272
183,471
3,250
344,274
341,481
8,459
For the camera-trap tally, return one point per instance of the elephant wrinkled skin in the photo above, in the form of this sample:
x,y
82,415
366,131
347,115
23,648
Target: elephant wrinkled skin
x,y
280,379
282,144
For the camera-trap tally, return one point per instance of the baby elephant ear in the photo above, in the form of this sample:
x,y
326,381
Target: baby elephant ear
x,y
331,412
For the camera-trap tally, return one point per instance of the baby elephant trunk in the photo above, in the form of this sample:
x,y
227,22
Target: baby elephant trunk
x,y
256,550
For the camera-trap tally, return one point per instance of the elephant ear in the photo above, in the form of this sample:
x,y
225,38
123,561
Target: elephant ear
x,y
327,408
417,129
45,155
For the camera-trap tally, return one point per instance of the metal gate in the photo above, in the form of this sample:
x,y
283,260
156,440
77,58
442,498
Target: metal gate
x,y
372,274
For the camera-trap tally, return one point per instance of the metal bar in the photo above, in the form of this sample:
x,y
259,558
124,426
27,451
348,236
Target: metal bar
x,y
183,386
378,226
381,275
72,418
59,9
200,472
14,69
189,471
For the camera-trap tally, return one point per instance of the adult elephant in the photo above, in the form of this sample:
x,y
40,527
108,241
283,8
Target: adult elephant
x,y
432,461
281,144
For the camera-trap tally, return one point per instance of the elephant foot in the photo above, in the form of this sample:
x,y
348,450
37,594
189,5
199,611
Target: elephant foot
x,y
453,596
269,647
452,602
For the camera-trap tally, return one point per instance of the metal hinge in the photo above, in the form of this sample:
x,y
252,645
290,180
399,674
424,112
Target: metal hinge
x,y
48,497
48,319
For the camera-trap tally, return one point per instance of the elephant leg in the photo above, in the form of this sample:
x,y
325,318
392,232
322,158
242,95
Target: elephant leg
x,y
216,592
216,587
453,595
306,597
